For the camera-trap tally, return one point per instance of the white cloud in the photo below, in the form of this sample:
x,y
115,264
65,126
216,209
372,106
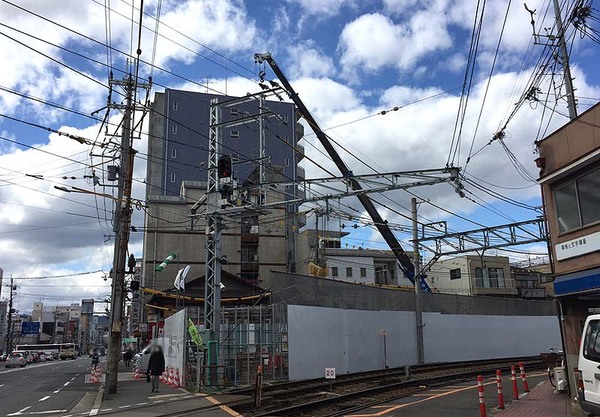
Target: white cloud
x,y
373,41
308,61
323,8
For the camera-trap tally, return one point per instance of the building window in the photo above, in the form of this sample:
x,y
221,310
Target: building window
x,y
234,112
287,162
287,139
334,271
285,117
349,272
455,273
173,153
234,134
577,202
173,177
174,129
175,106
494,279
363,272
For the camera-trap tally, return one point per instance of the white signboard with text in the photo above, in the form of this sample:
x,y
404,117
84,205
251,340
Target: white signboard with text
x,y
578,247
329,373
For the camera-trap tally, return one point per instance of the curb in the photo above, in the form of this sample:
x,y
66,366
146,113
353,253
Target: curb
x,y
98,401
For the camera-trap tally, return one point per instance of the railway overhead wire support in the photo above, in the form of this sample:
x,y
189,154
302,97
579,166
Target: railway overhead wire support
x,y
480,240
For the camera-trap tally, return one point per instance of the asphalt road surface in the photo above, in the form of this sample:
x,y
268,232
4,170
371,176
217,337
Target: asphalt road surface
x,y
49,388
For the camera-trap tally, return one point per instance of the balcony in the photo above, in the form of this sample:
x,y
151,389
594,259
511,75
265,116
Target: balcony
x,y
532,292
300,173
300,152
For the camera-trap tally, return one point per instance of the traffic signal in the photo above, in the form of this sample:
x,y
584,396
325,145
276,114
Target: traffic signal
x,y
224,167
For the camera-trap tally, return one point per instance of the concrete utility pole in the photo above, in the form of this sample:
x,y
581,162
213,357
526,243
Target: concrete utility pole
x,y
417,275
564,57
122,227
9,329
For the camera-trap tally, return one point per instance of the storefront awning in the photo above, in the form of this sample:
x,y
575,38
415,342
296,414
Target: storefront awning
x,y
577,282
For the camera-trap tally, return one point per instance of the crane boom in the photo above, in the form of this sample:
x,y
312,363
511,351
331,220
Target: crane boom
x,y
403,259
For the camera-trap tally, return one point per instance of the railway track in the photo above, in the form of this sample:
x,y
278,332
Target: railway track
x,y
353,392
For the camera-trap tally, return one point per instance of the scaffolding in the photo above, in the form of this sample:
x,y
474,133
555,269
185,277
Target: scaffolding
x,y
251,337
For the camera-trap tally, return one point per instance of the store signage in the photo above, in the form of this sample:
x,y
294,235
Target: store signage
x,y
577,247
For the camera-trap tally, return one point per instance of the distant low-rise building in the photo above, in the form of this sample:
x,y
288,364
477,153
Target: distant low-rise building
x,y
474,275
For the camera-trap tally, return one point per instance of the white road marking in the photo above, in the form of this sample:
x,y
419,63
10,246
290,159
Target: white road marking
x,y
18,413
57,391
125,406
141,403
44,398
72,379
66,383
1,385
93,412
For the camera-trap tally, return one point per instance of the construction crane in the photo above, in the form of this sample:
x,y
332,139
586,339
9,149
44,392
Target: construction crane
x,y
403,259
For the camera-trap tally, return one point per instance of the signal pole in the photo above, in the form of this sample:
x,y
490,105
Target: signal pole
x,y
564,57
122,219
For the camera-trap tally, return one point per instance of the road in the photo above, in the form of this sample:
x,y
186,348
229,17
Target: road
x,y
49,388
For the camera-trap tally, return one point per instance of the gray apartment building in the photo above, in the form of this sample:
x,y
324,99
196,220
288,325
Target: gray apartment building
x,y
179,131
176,179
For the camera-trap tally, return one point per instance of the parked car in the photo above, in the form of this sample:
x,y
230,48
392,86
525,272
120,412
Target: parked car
x,y
16,359
25,354
588,389
2,358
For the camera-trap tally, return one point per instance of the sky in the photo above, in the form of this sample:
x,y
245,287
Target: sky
x,y
349,60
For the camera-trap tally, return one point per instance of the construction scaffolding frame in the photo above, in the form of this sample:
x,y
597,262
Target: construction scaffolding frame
x,y
251,336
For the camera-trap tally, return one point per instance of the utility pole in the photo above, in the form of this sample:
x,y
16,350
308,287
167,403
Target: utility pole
x,y
9,329
417,275
564,57
122,226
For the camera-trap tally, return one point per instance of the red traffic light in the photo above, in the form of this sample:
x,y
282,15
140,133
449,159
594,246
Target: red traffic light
x,y
224,168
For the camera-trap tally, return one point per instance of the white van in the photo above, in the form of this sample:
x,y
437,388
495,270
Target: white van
x,y
588,388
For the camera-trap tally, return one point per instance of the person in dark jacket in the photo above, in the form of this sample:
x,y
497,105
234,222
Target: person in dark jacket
x,y
127,357
95,358
156,366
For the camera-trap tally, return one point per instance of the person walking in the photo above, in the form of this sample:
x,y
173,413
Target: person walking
x,y
156,366
95,359
127,357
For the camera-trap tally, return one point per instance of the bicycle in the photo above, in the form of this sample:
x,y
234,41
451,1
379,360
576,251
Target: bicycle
x,y
553,358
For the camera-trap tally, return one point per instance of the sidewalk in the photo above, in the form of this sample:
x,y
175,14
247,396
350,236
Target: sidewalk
x,y
542,402
134,398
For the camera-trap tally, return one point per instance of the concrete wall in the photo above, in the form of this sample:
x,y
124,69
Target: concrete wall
x,y
322,292
352,340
